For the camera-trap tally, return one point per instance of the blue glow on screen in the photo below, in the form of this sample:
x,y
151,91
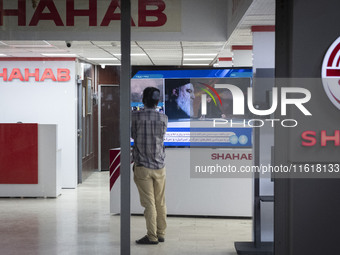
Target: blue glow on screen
x,y
197,73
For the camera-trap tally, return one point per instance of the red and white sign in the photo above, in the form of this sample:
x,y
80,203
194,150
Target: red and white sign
x,y
24,74
331,73
90,14
310,138
44,91
231,156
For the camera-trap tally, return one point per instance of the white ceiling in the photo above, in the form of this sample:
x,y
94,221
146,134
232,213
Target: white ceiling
x,y
261,12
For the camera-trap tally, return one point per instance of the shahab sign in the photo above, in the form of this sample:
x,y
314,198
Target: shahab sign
x,y
157,15
15,74
331,73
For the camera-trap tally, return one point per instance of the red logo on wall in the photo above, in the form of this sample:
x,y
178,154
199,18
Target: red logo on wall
x,y
62,74
310,138
150,13
331,73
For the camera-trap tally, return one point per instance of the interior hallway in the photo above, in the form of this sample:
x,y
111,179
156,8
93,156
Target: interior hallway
x,y
79,222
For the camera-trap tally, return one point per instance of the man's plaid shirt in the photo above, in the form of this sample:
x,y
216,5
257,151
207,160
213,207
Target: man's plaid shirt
x,y
148,128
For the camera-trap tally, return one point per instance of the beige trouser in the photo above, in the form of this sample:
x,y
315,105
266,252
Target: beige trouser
x,y
151,186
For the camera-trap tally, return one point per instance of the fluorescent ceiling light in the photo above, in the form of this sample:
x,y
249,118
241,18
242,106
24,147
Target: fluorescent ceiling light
x,y
106,64
58,54
133,54
108,59
200,54
196,59
2,55
195,64
30,45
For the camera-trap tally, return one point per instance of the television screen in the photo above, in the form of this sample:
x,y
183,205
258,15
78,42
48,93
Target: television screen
x,y
183,98
190,118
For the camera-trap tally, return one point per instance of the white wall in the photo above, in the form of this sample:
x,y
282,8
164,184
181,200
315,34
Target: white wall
x,y
263,50
242,58
264,57
44,102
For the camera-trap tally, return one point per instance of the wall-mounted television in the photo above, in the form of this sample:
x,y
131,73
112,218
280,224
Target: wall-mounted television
x,y
181,100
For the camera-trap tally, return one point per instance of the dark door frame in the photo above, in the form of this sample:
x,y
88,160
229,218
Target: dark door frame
x,y
80,130
99,122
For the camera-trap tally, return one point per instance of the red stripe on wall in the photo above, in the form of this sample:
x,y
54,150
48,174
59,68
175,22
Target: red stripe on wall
x,y
225,59
241,47
114,177
263,28
18,153
36,59
114,168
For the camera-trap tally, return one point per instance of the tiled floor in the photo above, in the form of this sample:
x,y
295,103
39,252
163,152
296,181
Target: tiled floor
x,y
79,222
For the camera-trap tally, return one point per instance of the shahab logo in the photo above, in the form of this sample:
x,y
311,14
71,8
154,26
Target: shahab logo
x,y
331,73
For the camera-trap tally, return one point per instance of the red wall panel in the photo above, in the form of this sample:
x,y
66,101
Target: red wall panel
x,y
18,153
114,166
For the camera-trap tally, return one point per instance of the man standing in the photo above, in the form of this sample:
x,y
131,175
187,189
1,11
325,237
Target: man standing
x,y
148,129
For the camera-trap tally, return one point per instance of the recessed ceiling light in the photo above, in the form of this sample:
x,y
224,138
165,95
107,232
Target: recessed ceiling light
x,y
200,54
197,59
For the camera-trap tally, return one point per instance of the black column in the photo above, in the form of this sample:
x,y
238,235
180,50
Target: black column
x,y
125,110
306,210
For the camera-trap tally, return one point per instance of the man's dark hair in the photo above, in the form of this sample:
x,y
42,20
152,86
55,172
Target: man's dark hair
x,y
151,97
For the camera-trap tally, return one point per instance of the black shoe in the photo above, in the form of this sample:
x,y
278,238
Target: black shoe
x,y
145,240
161,239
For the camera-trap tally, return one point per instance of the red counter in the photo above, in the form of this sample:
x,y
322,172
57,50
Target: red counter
x,y
18,153
29,160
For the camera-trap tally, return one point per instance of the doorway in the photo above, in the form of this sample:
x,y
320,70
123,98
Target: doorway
x,y
108,130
